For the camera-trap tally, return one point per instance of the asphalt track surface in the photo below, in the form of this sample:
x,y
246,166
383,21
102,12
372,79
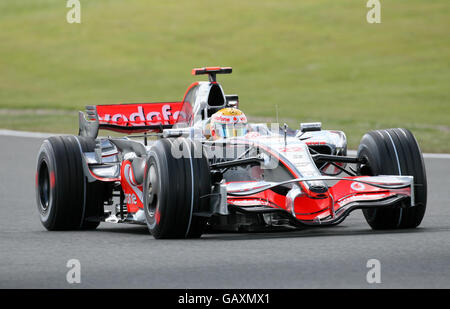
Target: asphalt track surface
x,y
127,256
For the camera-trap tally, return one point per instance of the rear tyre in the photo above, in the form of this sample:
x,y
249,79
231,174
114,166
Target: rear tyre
x,y
394,152
176,188
65,200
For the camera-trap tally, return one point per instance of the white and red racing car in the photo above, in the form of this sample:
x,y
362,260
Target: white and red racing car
x,y
169,173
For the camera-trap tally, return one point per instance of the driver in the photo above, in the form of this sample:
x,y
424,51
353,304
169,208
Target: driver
x,y
228,122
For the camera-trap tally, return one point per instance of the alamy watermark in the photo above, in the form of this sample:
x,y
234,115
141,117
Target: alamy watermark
x,y
74,273
74,14
374,273
374,14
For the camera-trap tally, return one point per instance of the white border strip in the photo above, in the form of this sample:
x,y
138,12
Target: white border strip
x,y
5,132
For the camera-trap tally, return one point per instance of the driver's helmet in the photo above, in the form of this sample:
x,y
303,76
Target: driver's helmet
x,y
228,122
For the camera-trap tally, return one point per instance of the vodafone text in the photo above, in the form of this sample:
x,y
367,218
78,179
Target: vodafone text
x,y
166,115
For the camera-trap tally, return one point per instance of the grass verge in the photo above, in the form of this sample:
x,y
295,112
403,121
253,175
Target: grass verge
x,y
317,60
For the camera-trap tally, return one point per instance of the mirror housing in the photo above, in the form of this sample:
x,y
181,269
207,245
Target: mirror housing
x,y
310,126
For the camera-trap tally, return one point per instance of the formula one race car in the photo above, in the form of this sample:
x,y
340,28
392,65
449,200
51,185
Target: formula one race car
x,y
197,165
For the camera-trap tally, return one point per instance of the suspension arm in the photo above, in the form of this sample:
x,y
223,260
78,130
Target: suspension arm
x,y
239,162
341,159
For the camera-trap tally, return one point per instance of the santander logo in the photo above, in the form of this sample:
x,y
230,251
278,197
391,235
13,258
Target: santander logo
x,y
357,186
140,114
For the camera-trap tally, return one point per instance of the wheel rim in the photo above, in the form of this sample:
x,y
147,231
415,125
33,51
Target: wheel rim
x,y
44,186
153,191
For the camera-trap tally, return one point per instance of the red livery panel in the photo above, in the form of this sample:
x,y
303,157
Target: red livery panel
x,y
132,117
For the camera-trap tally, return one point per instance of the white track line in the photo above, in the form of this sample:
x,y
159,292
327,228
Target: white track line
x,y
5,132
425,155
437,155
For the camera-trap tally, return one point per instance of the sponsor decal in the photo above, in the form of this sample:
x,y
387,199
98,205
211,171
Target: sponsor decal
x,y
249,202
145,114
229,119
316,143
357,186
361,197
252,135
130,198
133,192
295,148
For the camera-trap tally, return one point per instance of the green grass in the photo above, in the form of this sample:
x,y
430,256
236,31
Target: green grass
x,y
317,60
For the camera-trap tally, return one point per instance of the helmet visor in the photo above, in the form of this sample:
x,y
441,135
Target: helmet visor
x,y
230,130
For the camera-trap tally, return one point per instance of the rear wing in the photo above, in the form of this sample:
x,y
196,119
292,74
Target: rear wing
x,y
212,71
129,118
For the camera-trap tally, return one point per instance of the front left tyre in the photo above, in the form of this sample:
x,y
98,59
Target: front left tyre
x,y
177,189
65,199
394,152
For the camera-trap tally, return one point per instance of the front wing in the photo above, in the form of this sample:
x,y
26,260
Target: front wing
x,y
344,195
